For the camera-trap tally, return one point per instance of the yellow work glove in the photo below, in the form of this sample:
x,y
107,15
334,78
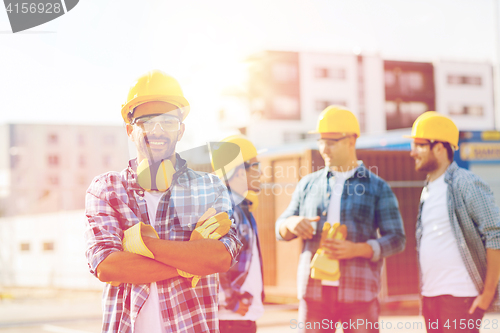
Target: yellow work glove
x,y
209,226
322,267
133,242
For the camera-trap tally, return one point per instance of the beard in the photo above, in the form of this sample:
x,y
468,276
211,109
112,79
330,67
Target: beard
x,y
153,153
428,165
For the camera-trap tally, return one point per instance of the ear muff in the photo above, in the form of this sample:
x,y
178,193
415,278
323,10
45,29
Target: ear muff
x,y
253,197
156,176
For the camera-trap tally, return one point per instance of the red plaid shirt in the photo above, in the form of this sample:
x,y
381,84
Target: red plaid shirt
x,y
115,202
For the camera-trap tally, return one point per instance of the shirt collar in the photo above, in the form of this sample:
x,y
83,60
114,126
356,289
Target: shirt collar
x,y
448,175
359,173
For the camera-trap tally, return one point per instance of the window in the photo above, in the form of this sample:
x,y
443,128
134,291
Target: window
x,y
283,72
321,73
289,137
323,104
82,161
471,110
464,80
48,246
286,106
414,80
390,78
53,160
332,73
24,247
53,180
108,139
52,139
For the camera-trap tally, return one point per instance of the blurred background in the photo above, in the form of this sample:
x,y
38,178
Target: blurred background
x,y
262,68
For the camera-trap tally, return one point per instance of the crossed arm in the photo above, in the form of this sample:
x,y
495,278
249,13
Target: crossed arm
x,y
200,257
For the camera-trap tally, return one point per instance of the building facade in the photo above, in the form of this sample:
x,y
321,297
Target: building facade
x,y
288,90
47,168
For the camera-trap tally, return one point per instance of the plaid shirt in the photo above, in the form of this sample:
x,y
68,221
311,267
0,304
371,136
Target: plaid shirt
x,y
232,280
115,202
475,220
367,205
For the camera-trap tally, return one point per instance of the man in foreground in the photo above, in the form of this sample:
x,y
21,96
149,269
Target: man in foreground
x,y
161,274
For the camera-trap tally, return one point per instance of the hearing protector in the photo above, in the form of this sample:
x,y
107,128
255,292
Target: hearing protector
x,y
253,197
155,176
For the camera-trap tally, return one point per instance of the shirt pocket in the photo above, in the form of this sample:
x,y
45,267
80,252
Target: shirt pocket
x,y
360,219
182,227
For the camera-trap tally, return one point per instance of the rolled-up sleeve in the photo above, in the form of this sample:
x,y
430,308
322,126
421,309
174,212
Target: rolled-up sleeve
x,y
103,234
483,211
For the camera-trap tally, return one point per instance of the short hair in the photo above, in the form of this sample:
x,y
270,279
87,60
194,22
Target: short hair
x,y
449,150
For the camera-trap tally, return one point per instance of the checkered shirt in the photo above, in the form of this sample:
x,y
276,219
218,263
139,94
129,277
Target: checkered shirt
x,y
115,202
475,220
367,205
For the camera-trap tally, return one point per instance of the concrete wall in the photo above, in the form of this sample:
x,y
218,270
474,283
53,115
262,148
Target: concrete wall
x,y
27,261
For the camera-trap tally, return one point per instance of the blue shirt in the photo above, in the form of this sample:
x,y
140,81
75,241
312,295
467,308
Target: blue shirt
x,y
367,205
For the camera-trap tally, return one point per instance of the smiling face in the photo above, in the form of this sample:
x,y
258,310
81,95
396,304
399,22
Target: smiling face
x,y
423,154
154,132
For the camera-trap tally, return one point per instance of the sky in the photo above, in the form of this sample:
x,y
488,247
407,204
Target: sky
x,y
78,68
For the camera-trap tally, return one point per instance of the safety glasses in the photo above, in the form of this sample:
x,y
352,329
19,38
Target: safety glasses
x,y
253,166
168,123
330,142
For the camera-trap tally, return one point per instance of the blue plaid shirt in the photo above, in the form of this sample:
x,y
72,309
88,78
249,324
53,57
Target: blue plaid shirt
x,y
367,205
475,220
115,202
232,280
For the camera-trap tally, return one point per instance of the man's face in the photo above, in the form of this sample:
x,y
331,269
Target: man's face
x,y
154,131
254,174
423,154
335,149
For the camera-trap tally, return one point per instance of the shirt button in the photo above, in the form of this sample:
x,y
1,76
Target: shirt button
x,y
141,198
140,192
324,213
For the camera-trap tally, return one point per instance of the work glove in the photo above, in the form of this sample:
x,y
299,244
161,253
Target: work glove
x,y
133,242
322,267
209,226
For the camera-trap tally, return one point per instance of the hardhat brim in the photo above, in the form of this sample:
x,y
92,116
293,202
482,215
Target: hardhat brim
x,y
456,147
178,101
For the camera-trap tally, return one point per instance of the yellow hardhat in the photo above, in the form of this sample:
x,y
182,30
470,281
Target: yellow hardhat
x,y
155,86
226,156
433,126
337,119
